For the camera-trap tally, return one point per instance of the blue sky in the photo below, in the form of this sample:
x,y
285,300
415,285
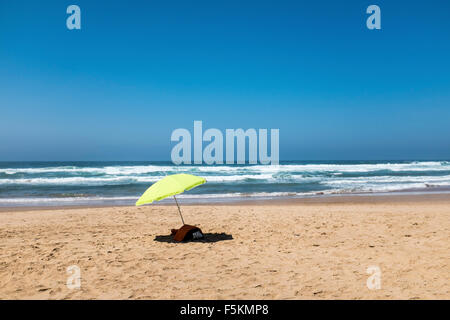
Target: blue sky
x,y
137,70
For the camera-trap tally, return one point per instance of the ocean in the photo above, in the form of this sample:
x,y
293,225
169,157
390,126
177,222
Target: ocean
x,y
99,183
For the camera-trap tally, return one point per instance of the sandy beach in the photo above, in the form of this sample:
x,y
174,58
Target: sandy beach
x,y
299,249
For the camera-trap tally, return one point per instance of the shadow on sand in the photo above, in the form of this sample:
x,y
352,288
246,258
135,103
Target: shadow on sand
x,y
209,237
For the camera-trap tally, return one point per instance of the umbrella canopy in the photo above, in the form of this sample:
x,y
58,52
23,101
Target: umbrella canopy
x,y
170,186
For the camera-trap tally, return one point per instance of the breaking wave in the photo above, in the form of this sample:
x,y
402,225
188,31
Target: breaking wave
x,y
64,182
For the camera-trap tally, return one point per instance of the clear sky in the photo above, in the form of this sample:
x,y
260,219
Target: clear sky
x,y
137,70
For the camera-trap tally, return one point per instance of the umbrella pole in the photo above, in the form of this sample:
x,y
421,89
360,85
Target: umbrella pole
x,y
179,209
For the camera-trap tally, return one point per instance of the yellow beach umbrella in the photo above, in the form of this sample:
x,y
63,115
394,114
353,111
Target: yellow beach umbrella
x,y
170,186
